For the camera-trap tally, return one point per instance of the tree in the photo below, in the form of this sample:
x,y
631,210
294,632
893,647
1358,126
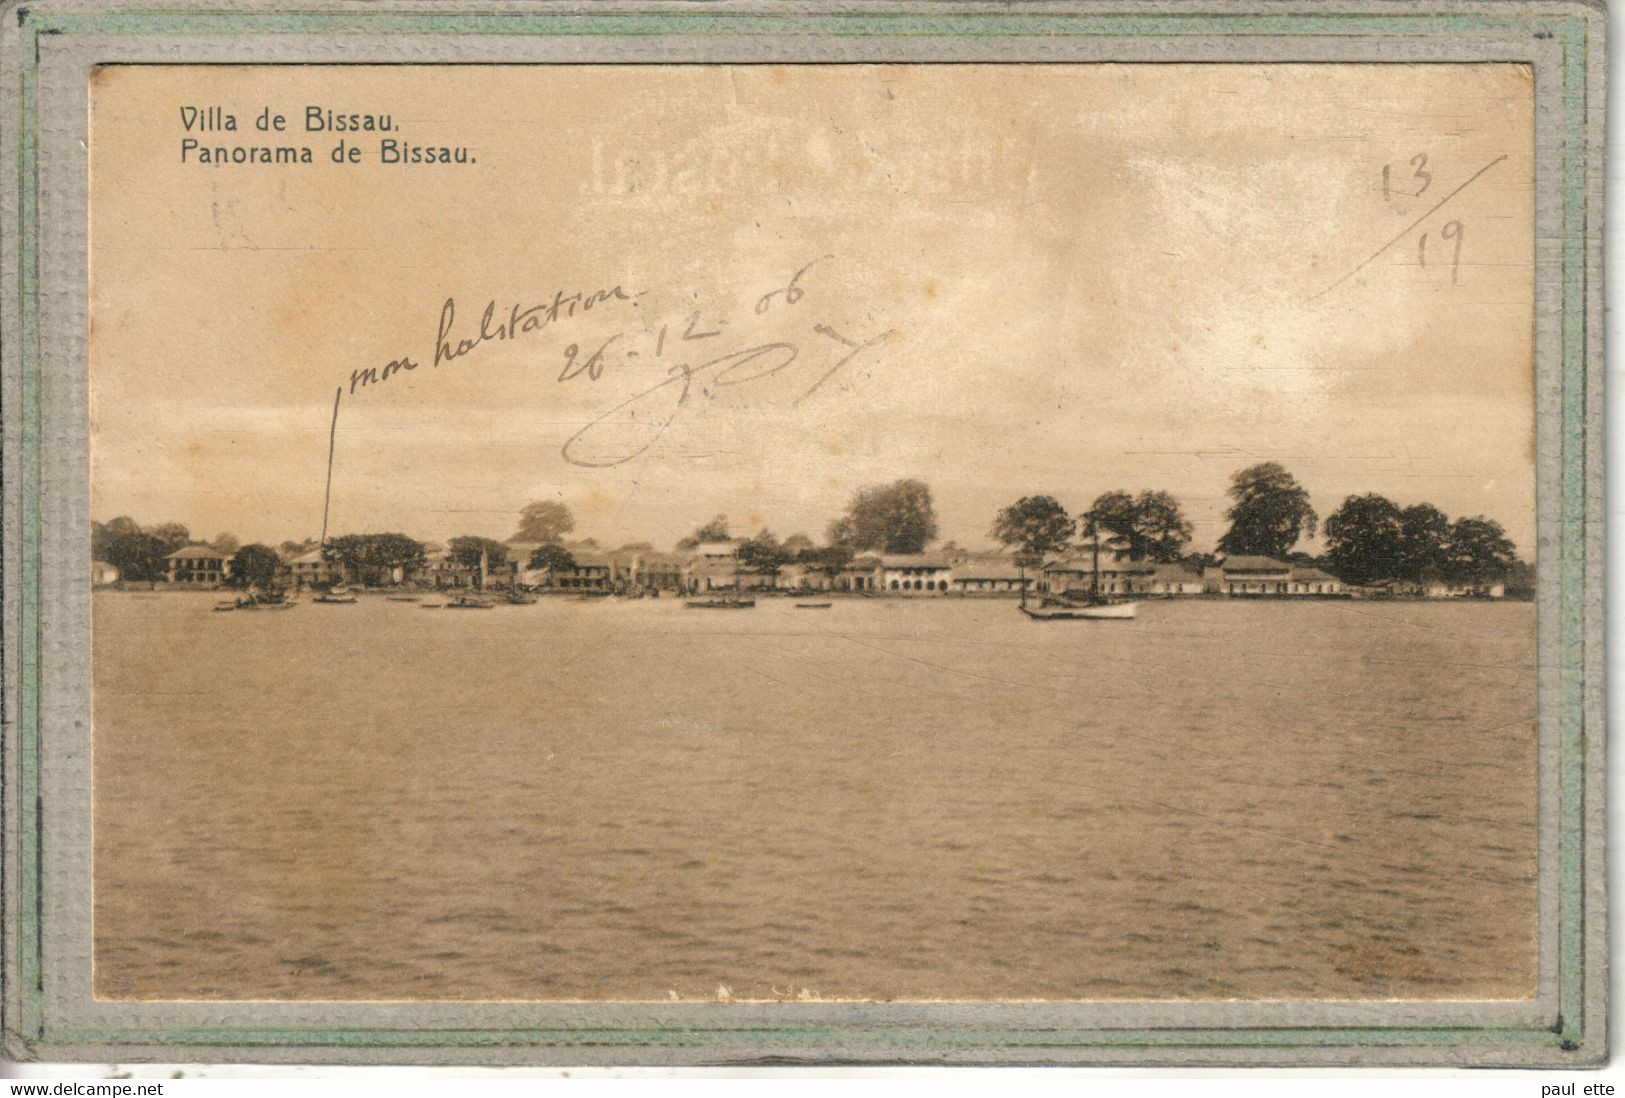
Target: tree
x,y
1112,512
467,552
1035,526
1161,529
291,549
1151,526
373,558
796,544
831,560
224,543
392,551
1365,539
1520,580
124,525
1270,512
843,532
255,566
1479,552
553,558
545,520
137,554
763,554
172,534
715,530
1424,535
893,518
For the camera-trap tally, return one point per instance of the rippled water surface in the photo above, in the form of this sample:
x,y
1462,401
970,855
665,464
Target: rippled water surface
x,y
887,799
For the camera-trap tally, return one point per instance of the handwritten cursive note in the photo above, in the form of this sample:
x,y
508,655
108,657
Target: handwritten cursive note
x,y
631,426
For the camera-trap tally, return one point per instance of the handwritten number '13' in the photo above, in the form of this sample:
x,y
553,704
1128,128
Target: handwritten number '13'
x,y
1423,177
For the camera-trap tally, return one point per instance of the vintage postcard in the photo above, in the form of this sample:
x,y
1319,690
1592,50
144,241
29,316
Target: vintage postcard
x,y
780,541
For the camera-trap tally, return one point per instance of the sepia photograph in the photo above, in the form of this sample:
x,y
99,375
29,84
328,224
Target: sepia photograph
x,y
812,533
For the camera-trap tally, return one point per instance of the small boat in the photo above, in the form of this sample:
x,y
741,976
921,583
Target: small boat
x,y
814,605
1102,611
336,595
1093,605
519,598
432,606
403,598
720,604
469,602
267,601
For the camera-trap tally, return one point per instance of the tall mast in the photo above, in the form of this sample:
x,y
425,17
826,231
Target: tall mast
x,y
332,437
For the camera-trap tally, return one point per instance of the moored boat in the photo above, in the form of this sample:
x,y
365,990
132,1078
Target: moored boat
x,y
1103,611
814,605
1093,605
720,604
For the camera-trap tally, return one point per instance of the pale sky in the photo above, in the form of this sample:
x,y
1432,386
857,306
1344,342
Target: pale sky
x,y
1093,277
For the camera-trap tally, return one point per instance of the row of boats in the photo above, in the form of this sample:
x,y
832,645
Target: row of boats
x,y
341,595
1051,608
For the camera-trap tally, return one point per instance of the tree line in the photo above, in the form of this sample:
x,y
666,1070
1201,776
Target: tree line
x,y
1368,538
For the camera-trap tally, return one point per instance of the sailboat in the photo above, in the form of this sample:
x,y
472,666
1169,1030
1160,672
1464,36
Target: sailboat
x,y
1096,606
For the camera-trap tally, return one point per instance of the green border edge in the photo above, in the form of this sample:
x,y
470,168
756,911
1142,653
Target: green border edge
x,y
1571,29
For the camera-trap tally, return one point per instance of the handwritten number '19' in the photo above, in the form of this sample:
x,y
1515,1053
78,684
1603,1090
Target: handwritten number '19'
x,y
1452,230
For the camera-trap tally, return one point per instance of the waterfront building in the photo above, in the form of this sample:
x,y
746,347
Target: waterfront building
x,y
1248,574
444,570
593,570
862,573
662,571
308,569
517,569
198,564
915,574
1173,579
1307,580
990,575
1446,589
1121,577
724,551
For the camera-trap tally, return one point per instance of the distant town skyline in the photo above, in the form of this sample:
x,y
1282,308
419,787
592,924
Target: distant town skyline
x,y
1051,279
611,536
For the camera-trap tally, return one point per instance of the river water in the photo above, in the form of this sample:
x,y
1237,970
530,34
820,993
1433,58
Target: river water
x,y
889,799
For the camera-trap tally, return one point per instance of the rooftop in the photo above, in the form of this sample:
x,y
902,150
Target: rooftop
x,y
1314,575
197,552
988,568
914,560
1248,563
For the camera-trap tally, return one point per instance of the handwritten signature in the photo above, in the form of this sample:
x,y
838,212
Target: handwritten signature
x,y
629,428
